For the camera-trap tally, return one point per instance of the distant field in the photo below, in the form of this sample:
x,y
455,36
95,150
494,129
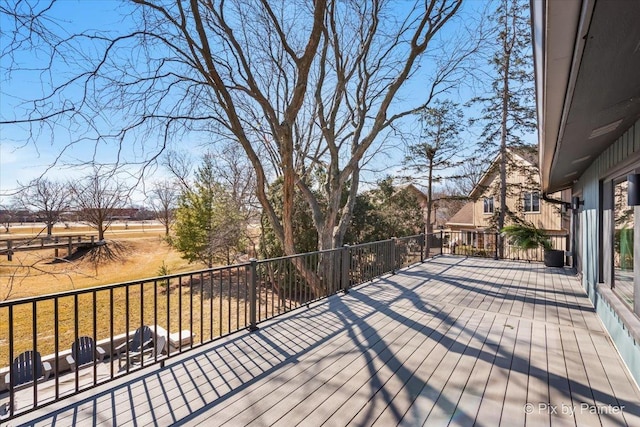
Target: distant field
x,y
119,229
141,252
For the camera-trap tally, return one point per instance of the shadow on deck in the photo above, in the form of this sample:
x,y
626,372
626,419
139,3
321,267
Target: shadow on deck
x,y
453,341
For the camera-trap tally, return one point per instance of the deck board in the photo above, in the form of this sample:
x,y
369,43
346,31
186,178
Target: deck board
x,y
453,341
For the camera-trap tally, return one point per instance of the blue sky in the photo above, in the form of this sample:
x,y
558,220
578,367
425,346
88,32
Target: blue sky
x,y
22,160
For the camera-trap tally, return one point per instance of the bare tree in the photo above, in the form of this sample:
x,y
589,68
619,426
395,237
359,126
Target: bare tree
x,y
9,213
97,198
48,199
164,199
180,165
469,174
299,85
239,178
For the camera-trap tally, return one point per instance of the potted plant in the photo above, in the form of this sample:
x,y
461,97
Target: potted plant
x,y
527,236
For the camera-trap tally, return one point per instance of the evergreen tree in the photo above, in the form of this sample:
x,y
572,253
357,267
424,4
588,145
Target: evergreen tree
x,y
508,112
437,152
209,225
384,212
305,236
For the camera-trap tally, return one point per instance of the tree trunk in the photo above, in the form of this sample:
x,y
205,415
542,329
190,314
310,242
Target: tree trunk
x,y
429,228
503,146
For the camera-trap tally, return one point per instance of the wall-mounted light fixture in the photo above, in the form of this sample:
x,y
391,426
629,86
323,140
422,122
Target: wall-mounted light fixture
x,y
633,189
576,203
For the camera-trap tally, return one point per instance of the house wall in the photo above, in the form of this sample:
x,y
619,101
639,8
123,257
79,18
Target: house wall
x,y
594,243
548,218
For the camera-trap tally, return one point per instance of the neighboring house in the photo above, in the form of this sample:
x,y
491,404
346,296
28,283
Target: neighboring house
x,y
478,217
587,61
442,207
422,198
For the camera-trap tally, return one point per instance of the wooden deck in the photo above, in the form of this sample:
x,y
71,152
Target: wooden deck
x,y
453,341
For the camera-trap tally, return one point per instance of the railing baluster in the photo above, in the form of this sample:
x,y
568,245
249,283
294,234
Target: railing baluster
x,y
34,314
228,301
142,323
111,332
237,298
201,307
75,337
126,314
56,345
168,290
179,314
12,373
245,298
95,336
220,299
190,312
252,267
211,305
155,314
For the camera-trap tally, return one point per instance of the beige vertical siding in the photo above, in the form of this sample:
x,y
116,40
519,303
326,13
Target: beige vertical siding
x,y
548,218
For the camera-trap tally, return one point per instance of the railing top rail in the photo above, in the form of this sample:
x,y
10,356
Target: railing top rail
x,y
415,236
360,245
286,257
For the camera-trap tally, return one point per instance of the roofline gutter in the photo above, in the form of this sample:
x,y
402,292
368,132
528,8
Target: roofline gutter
x,y
546,198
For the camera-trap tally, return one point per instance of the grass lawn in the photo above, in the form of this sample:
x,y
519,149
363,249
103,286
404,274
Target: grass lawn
x,y
136,254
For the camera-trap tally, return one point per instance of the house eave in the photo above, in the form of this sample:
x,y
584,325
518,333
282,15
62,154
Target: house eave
x,y
588,93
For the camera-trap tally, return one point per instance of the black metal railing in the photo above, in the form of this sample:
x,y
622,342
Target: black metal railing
x,y
487,245
54,346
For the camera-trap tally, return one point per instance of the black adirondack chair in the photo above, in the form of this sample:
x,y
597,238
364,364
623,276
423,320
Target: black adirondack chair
x,y
84,351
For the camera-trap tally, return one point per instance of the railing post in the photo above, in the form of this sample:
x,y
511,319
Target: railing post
x,y
497,245
393,255
253,280
441,242
423,236
346,267
9,250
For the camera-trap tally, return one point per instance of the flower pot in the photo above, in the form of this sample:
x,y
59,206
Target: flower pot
x,y
554,258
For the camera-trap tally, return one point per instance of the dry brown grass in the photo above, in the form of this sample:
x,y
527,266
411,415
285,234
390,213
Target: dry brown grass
x,y
139,255
134,255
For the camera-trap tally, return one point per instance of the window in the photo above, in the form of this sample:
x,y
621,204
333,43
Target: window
x,y
468,238
488,205
623,244
531,201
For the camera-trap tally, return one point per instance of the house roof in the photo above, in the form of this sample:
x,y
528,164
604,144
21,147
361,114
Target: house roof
x,y
464,216
525,154
587,82
419,193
